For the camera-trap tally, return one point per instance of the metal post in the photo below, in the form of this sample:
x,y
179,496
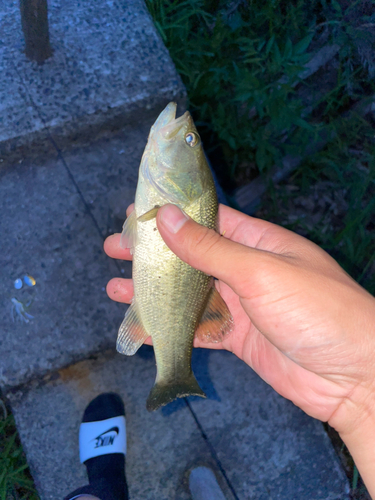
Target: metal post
x,y
34,18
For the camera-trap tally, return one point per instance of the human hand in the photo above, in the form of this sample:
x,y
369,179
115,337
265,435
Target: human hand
x,y
299,320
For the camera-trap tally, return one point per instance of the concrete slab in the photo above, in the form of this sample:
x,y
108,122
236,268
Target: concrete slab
x,y
161,447
259,445
106,173
109,67
47,231
267,446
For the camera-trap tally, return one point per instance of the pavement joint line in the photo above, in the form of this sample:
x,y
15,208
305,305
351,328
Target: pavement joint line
x,y
62,159
211,448
86,205
60,155
71,176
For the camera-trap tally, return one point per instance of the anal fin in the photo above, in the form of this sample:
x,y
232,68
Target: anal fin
x,y
131,334
216,320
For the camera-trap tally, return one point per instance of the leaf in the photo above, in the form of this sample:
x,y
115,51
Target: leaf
x,y
235,21
302,45
196,81
288,50
261,44
277,54
161,31
269,44
231,141
303,123
260,156
337,6
236,68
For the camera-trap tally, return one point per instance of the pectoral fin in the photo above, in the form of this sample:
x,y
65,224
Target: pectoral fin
x,y
129,235
216,320
151,214
131,334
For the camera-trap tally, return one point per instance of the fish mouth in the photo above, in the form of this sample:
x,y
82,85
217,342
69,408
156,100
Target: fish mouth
x,y
171,130
166,116
167,125
155,165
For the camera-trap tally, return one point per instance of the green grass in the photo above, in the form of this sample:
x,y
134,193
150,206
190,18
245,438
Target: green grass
x,y
232,61
240,63
231,64
348,164
15,480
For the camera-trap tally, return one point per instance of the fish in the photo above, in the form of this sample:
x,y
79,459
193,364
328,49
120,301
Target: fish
x,y
172,301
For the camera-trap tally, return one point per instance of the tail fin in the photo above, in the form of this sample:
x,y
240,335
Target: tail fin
x,y
162,394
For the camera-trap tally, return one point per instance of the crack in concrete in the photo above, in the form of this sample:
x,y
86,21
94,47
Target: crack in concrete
x,y
212,450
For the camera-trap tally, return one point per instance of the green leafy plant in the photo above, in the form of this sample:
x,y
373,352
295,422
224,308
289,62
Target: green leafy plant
x,y
15,481
232,59
345,228
241,63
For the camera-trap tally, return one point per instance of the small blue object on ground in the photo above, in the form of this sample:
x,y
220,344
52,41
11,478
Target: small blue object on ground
x,y
18,284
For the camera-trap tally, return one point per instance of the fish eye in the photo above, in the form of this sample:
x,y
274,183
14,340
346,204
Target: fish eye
x,y
191,139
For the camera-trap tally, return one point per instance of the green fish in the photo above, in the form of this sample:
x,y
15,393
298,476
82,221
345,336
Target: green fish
x,y
172,301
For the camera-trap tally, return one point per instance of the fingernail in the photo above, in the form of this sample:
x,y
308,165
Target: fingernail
x,y
173,218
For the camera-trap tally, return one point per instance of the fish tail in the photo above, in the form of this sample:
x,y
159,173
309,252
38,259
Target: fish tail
x,y
163,393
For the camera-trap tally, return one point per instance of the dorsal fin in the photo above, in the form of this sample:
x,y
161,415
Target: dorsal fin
x,y
151,214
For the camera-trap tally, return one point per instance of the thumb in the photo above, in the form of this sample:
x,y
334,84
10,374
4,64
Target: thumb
x,y
204,248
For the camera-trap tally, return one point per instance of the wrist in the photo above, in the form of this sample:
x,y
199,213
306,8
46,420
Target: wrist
x,y
357,408
355,422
